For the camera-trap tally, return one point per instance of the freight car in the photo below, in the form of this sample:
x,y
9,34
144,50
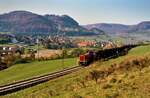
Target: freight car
x,y
91,56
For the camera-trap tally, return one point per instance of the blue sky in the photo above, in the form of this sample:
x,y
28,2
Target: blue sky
x,y
85,11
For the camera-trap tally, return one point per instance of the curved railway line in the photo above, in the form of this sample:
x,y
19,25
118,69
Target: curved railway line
x,y
16,86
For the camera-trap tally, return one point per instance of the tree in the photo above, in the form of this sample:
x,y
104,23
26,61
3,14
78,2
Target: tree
x,y
9,59
76,52
64,53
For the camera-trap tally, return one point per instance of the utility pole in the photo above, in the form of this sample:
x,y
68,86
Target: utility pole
x,y
0,57
38,47
62,57
38,43
62,48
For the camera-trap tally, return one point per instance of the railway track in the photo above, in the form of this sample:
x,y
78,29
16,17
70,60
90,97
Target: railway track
x,y
16,86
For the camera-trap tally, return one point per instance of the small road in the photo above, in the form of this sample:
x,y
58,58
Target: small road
x,y
16,86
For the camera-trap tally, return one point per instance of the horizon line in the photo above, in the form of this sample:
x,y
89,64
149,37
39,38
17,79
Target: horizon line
x,y
130,24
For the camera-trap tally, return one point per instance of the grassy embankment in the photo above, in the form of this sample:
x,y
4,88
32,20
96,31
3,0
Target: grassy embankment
x,y
28,70
123,77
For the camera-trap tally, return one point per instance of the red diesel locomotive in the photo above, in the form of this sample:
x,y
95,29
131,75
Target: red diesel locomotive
x,y
86,59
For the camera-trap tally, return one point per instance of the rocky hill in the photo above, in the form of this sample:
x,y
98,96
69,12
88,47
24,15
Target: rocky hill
x,y
28,22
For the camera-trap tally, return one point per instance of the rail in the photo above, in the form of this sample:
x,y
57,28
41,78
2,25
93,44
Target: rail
x,y
16,86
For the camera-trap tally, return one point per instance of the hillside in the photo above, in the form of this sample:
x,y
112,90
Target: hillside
x,y
28,70
121,28
24,22
123,77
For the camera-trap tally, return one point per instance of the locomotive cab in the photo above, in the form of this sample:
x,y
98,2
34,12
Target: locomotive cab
x,y
83,60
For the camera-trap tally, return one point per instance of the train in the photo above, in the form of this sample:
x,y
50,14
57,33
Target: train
x,y
91,56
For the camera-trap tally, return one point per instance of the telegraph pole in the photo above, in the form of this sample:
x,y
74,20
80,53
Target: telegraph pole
x,y
38,43
62,48
38,47
62,57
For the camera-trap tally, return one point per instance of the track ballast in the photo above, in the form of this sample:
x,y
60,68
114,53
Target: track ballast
x,y
16,86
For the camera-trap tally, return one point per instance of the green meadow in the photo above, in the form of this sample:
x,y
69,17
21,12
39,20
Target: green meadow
x,y
28,70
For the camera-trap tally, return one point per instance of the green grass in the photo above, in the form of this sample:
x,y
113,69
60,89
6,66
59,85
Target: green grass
x,y
9,44
140,50
35,47
6,32
93,38
28,70
130,84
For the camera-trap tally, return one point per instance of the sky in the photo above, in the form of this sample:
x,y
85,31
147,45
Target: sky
x,y
85,11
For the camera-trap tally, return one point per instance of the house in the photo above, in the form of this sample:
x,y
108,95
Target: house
x,y
5,50
86,44
109,45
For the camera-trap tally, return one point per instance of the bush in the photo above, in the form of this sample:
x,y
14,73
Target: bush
x,y
136,63
76,96
95,75
107,86
76,52
9,60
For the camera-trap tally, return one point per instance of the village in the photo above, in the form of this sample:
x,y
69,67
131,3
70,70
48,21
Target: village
x,y
50,47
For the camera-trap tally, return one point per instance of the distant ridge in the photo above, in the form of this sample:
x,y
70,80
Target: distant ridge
x,y
121,28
